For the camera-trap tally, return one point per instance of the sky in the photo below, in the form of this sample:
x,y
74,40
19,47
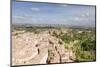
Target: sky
x,y
50,13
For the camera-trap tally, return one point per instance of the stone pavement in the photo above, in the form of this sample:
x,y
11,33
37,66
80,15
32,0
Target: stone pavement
x,y
30,48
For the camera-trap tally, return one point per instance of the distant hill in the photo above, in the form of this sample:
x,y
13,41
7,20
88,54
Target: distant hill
x,y
52,26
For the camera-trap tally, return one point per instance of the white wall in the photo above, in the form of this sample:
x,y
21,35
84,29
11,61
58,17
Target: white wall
x,y
5,33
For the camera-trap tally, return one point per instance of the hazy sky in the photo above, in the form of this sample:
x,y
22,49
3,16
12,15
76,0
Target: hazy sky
x,y
46,13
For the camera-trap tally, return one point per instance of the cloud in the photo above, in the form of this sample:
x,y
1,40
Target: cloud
x,y
17,16
27,15
87,14
84,17
77,19
64,5
35,9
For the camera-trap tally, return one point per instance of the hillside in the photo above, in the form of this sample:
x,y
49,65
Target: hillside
x,y
46,46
